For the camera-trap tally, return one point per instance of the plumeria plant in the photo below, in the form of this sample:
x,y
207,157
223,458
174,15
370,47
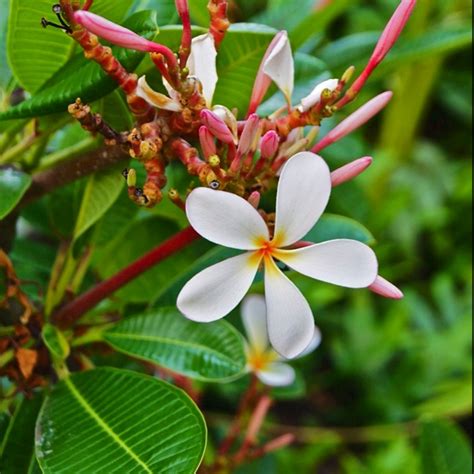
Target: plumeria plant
x,y
107,356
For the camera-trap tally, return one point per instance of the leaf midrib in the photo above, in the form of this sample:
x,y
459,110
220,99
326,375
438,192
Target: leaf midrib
x,y
142,337
102,424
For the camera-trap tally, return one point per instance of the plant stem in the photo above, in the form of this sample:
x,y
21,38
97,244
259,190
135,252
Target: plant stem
x,y
71,312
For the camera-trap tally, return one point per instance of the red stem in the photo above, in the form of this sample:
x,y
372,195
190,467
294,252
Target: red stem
x,y
72,311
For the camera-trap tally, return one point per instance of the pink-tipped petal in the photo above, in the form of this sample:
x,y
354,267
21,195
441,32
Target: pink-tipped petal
x,y
269,144
354,121
217,126
384,288
263,81
350,171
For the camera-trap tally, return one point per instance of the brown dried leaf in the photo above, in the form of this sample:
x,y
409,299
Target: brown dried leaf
x,y
27,359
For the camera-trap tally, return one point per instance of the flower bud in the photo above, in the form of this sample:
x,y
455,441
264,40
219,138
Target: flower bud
x,y
350,171
206,139
269,144
354,121
384,288
250,131
216,126
254,199
131,178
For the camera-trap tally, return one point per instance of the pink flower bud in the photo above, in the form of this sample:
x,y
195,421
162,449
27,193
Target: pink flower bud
x,y
216,126
249,134
392,31
269,144
354,121
207,142
254,199
263,81
350,171
119,35
384,288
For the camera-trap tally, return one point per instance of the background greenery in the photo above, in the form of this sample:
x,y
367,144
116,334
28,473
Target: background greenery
x,y
389,390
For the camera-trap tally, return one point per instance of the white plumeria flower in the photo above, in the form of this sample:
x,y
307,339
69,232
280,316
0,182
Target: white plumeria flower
x,y
278,66
229,220
201,64
262,360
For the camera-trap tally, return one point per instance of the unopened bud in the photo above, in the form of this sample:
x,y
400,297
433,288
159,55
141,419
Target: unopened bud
x,y
131,178
206,140
250,131
254,199
348,73
350,171
216,126
354,121
214,161
269,144
383,287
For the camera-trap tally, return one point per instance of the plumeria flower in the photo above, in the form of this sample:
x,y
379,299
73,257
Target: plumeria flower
x,y
262,360
278,66
201,65
229,220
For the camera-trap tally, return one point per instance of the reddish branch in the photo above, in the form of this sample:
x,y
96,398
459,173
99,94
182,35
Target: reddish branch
x,y
71,312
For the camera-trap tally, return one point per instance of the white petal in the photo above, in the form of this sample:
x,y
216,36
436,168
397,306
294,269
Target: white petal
x,y
202,64
315,96
289,317
279,66
303,193
156,99
314,344
226,219
277,374
217,290
254,317
342,262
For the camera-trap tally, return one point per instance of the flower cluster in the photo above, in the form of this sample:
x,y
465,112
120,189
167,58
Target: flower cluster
x,y
238,160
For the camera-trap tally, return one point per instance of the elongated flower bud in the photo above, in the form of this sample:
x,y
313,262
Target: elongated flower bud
x,y
254,199
350,171
383,287
249,133
119,35
206,140
354,121
216,126
269,144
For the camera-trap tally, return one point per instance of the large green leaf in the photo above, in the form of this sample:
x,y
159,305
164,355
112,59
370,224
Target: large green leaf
x,y
17,452
34,53
444,449
332,226
101,191
83,78
110,420
13,184
203,351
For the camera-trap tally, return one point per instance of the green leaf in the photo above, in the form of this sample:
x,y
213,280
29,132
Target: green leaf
x,y
316,22
83,78
332,226
13,185
55,342
34,53
111,420
212,351
101,191
17,452
444,449
199,12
